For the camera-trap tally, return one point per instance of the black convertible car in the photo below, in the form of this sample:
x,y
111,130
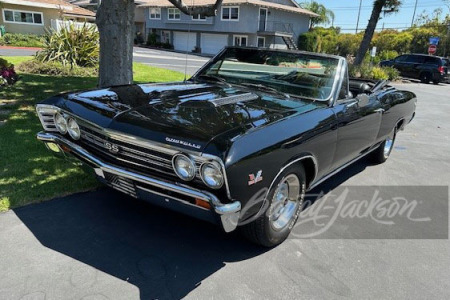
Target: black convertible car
x,y
239,143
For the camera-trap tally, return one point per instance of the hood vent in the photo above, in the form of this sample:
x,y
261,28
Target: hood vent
x,y
234,99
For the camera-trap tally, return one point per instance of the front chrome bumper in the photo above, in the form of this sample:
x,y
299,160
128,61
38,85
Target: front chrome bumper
x,y
228,213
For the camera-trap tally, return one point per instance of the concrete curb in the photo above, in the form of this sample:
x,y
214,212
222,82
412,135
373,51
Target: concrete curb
x,y
23,48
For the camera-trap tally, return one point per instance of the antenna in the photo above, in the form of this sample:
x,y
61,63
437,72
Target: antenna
x,y
187,45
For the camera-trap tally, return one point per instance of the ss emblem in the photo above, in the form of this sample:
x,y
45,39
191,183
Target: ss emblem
x,y
113,148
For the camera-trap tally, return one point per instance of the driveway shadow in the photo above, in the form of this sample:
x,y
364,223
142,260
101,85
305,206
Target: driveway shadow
x,y
165,254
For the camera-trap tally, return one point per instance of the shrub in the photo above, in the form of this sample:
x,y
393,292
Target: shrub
x,y
366,71
8,75
392,73
378,73
21,40
72,45
152,39
388,54
319,39
55,68
348,44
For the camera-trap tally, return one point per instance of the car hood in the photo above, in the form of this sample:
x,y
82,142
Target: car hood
x,y
188,115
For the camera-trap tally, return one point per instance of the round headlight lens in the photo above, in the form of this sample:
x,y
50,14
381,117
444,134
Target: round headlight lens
x,y
61,123
184,167
73,129
212,176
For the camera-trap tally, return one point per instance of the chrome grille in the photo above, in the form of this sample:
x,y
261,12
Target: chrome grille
x,y
129,155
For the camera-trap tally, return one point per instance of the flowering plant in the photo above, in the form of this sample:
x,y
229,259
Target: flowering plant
x,y
7,74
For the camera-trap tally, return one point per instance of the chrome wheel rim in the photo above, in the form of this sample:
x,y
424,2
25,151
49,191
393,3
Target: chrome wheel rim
x,y
285,202
388,145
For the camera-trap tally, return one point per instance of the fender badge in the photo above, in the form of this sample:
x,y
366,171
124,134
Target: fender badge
x,y
254,179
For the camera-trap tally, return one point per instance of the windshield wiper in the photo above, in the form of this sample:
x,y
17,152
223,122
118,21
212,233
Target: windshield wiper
x,y
213,77
265,88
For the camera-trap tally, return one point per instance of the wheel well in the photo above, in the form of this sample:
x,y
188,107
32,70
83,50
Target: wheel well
x,y
400,124
310,170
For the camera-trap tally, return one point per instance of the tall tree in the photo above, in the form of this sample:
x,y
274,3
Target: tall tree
x,y
115,21
385,6
326,16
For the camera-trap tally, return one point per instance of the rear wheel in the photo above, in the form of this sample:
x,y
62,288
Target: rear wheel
x,y
436,81
286,202
425,77
384,150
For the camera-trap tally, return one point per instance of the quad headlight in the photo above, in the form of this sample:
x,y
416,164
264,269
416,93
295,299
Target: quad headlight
x,y
61,123
212,175
73,129
184,167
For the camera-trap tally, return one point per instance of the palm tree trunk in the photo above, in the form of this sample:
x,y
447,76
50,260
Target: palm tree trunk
x,y
115,20
368,34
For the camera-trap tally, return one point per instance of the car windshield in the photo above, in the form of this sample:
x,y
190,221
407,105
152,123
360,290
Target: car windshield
x,y
297,74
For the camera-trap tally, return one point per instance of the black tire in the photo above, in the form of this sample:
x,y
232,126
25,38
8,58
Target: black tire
x,y
425,77
436,81
384,150
262,230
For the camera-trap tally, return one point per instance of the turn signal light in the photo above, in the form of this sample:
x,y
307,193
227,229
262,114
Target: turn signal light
x,y
202,203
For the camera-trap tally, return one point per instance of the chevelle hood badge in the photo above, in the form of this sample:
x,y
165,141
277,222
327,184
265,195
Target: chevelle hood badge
x,y
180,142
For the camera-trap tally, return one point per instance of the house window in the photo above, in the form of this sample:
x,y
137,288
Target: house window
x,y
230,13
240,40
155,13
198,17
174,14
23,17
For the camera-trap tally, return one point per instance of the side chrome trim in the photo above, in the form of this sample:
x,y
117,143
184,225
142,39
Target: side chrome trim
x,y
229,213
316,169
314,184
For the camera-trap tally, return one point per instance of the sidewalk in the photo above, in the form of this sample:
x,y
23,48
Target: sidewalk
x,y
20,48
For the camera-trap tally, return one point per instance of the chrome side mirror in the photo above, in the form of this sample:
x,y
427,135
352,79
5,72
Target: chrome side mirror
x,y
363,100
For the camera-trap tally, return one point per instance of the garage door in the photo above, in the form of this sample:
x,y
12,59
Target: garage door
x,y
184,41
213,43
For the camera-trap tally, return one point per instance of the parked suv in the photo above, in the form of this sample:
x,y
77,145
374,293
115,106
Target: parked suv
x,y
420,66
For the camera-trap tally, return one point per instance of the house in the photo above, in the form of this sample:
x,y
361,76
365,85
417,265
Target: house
x,y
35,16
268,23
139,12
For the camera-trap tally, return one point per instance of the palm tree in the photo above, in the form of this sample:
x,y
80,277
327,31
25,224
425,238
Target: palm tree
x,y
326,16
388,7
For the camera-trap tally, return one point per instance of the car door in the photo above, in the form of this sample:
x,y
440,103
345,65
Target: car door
x,y
400,63
359,120
413,66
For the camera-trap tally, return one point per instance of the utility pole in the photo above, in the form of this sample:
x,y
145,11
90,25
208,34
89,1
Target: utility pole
x,y
359,13
414,13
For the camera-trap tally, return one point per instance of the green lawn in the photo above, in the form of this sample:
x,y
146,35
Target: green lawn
x,y
28,172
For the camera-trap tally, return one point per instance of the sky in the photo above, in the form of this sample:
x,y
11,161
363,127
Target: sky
x,y
346,13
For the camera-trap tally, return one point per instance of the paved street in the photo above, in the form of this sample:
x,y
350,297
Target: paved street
x,y
158,58
103,245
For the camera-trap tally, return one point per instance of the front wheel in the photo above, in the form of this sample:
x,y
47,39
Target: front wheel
x,y
384,150
286,202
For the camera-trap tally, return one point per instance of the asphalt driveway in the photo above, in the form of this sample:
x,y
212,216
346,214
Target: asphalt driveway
x,y
103,245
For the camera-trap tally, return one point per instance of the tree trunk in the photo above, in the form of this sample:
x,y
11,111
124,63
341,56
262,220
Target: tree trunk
x,y
368,34
115,21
